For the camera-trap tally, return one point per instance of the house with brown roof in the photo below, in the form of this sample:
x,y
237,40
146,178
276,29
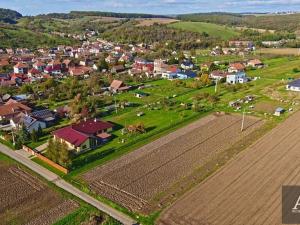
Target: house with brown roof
x,y
80,71
256,63
84,136
11,109
236,67
118,86
117,69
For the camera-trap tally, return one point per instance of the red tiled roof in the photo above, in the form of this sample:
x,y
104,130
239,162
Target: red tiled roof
x,y
33,71
92,126
70,135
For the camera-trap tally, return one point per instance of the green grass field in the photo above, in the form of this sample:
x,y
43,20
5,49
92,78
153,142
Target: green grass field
x,y
211,29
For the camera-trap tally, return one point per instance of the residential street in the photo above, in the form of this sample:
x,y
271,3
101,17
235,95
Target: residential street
x,y
48,175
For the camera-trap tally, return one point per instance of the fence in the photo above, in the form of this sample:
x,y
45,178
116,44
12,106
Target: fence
x,y
45,159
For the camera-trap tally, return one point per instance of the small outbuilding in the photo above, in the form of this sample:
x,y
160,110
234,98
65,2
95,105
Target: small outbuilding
x,y
279,111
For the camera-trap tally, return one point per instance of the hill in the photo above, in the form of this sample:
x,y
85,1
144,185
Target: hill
x,y
79,14
289,22
12,36
212,30
9,16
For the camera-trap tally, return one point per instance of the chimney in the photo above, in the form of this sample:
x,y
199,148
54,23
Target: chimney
x,y
95,120
84,119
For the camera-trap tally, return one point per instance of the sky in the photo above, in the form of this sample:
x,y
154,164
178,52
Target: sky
x,y
162,7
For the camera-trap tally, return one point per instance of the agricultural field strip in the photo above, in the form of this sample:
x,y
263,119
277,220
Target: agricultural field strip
x,y
157,173
243,172
122,161
18,187
126,220
184,152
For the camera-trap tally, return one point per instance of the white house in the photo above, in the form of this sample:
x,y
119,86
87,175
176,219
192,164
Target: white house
x,y
294,85
235,78
21,68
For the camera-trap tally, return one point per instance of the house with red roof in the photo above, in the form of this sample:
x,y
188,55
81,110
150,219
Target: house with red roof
x,y
54,67
84,136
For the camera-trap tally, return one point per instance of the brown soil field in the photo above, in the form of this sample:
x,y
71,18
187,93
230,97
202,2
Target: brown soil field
x,y
136,179
248,189
26,200
279,51
150,22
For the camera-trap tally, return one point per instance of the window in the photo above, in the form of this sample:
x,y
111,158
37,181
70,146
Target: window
x,y
83,146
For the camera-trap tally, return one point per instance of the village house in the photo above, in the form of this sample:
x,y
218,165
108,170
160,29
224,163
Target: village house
x,y
218,75
30,123
160,67
39,65
21,68
235,78
84,136
11,109
118,86
293,86
44,115
117,69
255,63
187,65
54,67
80,71
236,67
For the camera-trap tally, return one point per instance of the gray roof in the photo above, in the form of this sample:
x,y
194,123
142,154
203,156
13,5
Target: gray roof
x,y
295,83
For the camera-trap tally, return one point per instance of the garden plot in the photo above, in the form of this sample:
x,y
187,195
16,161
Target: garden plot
x,y
26,200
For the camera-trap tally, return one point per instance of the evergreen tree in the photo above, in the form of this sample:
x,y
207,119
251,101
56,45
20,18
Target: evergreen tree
x,y
64,155
40,131
34,136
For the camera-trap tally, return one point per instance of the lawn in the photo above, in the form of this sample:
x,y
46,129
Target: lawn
x,y
211,29
278,68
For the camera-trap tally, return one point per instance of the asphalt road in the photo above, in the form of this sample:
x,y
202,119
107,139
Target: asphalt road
x,y
52,177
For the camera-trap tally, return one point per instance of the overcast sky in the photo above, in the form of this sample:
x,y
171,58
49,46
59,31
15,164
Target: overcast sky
x,y
33,7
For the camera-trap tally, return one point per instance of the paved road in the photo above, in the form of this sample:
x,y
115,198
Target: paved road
x,y
48,175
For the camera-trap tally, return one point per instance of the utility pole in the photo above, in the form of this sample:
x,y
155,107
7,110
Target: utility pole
x,y
216,86
116,104
13,137
243,121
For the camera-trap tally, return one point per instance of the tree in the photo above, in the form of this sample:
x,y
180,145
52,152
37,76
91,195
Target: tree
x,y
40,131
34,136
103,65
23,135
205,79
64,155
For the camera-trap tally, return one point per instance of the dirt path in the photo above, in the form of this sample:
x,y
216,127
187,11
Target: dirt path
x,y
248,189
